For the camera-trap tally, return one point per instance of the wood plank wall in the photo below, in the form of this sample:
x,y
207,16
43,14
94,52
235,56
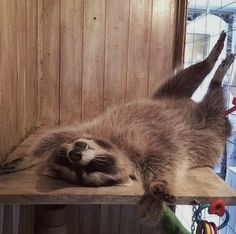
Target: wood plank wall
x,y
68,60
18,92
95,54
18,72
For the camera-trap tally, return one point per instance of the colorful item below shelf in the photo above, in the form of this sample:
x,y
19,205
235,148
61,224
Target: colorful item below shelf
x,y
171,223
232,109
216,207
206,227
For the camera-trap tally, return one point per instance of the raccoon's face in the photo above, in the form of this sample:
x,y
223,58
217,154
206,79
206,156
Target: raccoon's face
x,y
91,162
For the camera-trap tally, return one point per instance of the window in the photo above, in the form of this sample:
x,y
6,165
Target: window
x,y
206,19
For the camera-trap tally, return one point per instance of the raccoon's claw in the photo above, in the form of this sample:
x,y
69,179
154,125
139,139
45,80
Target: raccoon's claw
x,y
228,61
150,210
9,167
222,69
160,191
217,48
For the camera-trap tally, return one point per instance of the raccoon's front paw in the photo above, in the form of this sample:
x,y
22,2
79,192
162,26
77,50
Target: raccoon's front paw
x,y
150,210
10,166
160,191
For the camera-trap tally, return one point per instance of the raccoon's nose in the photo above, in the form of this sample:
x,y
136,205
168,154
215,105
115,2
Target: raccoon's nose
x,y
81,145
75,155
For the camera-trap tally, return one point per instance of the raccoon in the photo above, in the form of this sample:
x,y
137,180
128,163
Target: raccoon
x,y
154,140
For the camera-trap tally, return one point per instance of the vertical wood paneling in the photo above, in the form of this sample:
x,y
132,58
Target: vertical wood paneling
x,y
89,222
7,220
128,215
162,42
93,58
18,74
180,36
139,46
8,76
15,218
1,218
22,65
26,225
117,22
12,75
71,36
49,83
5,86
31,82
73,219
2,75
110,219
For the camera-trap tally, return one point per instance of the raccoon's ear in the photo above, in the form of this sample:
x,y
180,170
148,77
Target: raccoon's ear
x,y
50,172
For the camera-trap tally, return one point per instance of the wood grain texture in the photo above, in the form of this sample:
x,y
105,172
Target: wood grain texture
x,y
22,64
5,86
31,86
1,218
27,219
71,36
180,34
49,82
110,219
73,219
7,220
127,220
162,42
90,219
18,72
93,58
139,47
15,218
8,76
116,51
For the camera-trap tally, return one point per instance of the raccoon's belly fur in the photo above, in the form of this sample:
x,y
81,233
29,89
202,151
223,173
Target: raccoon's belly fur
x,y
166,130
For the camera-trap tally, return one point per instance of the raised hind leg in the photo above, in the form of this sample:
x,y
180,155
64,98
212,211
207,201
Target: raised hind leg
x,y
213,105
186,81
210,126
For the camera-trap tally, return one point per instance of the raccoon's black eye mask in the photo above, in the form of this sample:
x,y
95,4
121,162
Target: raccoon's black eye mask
x,y
102,163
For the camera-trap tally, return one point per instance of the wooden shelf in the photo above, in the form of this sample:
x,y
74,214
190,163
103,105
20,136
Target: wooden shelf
x,y
29,187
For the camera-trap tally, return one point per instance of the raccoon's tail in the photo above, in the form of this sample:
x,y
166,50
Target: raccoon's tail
x,y
150,210
20,163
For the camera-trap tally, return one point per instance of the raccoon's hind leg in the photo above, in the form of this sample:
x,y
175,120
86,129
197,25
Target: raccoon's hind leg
x,y
212,106
212,128
186,81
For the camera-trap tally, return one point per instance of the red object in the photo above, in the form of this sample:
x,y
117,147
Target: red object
x,y
232,109
217,207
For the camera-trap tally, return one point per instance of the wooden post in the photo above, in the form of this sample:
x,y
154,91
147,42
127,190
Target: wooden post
x,y
51,219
